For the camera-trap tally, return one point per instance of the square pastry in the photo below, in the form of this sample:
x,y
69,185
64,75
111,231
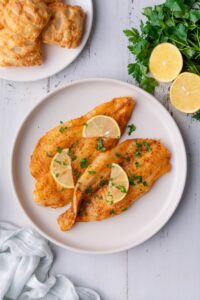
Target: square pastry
x,y
17,51
26,17
65,27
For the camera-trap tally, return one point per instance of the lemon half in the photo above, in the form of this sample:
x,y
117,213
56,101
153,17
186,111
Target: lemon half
x,y
61,169
118,185
165,62
101,126
185,92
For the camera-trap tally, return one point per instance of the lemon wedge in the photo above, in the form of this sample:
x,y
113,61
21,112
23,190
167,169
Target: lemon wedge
x,y
118,184
101,126
165,62
185,92
61,169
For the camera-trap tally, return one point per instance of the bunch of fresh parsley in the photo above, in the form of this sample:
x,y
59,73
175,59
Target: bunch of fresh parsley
x,y
176,22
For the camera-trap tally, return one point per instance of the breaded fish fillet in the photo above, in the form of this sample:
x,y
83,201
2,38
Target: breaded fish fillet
x,y
144,161
69,135
66,25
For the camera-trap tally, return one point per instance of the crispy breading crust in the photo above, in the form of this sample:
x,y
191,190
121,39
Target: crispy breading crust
x,y
66,26
18,52
26,17
2,6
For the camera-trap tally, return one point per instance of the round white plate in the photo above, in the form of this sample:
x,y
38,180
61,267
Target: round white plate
x,y
55,58
148,214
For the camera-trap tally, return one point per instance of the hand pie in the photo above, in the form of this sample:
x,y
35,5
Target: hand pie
x,y
26,17
2,5
17,51
66,26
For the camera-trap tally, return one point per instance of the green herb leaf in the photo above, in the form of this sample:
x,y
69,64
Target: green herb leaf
x,y
100,145
84,163
59,150
91,172
196,116
131,128
176,22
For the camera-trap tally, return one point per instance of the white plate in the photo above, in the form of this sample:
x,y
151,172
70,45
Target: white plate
x,y
148,214
55,58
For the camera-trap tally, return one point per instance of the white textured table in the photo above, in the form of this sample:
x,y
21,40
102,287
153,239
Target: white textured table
x,y
167,266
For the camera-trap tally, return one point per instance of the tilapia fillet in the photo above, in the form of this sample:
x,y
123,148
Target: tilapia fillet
x,y
144,161
69,135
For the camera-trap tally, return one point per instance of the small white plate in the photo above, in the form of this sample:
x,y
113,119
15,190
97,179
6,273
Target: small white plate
x,y
148,214
55,58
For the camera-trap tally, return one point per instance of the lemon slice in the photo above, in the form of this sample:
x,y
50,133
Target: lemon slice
x,y
185,92
165,62
101,126
118,185
61,169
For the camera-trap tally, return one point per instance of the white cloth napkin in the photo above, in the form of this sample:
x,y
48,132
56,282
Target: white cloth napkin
x,y
25,260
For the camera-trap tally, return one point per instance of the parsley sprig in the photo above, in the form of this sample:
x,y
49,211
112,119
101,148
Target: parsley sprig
x,y
176,22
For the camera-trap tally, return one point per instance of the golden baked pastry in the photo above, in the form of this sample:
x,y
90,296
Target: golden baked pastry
x,y
2,5
65,27
17,51
26,17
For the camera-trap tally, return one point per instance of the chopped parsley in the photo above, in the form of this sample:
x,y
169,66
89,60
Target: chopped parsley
x,y
131,128
63,190
100,145
89,190
59,150
112,212
77,173
58,161
137,164
124,209
134,179
61,122
109,166
92,172
85,124
48,154
72,155
127,158
62,129
147,146
84,163
117,154
57,175
121,188
103,182
196,116
138,149
109,199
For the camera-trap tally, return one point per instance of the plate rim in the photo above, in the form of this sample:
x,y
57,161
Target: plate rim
x,y
139,240
82,47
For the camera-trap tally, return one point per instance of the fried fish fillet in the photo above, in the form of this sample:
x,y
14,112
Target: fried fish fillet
x,y
66,25
144,161
17,51
26,17
69,135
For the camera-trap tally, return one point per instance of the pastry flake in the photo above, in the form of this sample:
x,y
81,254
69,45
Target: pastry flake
x,y
65,27
26,17
17,51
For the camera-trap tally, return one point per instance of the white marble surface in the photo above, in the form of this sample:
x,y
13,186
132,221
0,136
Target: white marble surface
x,y
165,267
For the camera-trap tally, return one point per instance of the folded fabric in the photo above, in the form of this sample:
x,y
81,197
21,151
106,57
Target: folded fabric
x,y
25,260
